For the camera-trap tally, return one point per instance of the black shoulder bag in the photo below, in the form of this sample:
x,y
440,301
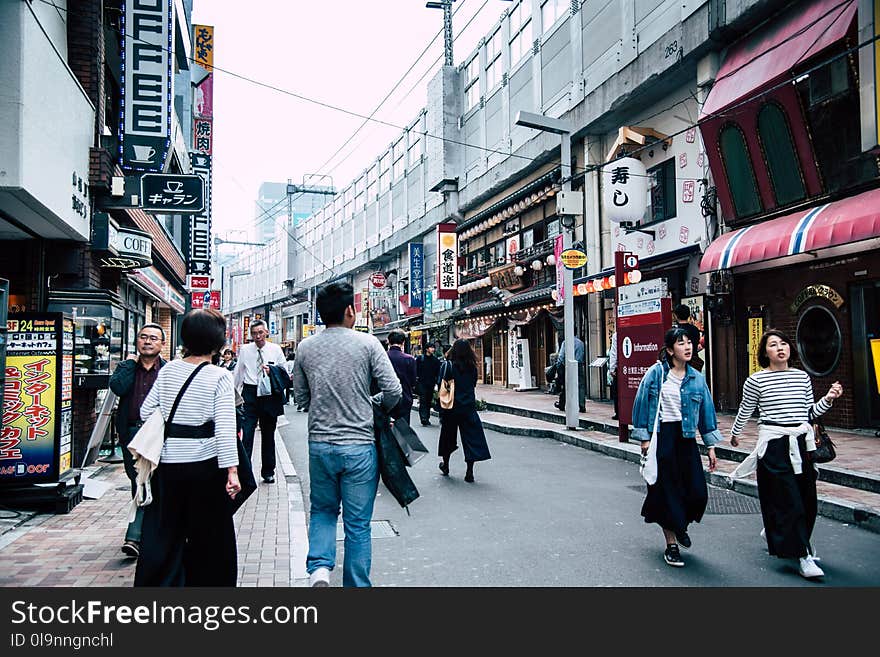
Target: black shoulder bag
x,y
825,451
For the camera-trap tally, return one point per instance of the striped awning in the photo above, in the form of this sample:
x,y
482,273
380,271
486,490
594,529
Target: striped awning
x,y
852,222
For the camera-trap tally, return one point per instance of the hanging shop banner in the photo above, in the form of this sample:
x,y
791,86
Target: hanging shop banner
x,y
36,438
172,193
147,81
447,257
203,135
416,275
206,299
756,330
204,52
560,272
624,190
199,251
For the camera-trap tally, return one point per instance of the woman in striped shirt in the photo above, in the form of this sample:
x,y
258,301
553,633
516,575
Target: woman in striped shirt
x,y
783,396
188,535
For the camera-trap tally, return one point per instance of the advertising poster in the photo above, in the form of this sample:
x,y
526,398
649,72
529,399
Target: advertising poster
x,y
36,439
756,330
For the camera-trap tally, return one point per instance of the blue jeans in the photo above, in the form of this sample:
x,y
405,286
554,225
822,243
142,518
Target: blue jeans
x,y
346,474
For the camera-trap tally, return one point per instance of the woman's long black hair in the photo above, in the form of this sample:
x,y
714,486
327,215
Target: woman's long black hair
x,y
462,355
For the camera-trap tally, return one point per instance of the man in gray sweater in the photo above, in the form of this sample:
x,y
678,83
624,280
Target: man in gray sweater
x,y
332,378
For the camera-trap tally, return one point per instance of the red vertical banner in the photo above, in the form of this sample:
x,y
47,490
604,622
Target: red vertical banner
x,y
560,272
447,262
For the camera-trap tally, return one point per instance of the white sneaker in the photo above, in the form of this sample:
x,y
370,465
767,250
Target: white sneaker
x,y
763,533
320,578
809,569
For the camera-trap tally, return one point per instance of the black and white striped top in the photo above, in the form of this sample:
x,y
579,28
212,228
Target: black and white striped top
x,y
783,396
209,397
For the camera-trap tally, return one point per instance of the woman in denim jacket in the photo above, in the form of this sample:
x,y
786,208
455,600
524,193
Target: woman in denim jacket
x,y
679,495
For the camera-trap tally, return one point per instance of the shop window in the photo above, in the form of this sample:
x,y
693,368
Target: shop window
x,y
779,151
740,174
528,239
819,341
661,178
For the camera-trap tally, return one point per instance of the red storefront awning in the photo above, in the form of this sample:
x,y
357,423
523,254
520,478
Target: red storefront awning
x,y
772,51
848,221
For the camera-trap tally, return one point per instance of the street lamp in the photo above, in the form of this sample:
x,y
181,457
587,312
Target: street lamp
x,y
566,207
446,6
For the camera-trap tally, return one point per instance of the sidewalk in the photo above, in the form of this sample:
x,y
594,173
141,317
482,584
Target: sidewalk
x,y
849,487
82,548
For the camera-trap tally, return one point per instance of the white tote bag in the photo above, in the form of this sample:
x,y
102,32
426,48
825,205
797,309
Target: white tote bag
x,y
648,463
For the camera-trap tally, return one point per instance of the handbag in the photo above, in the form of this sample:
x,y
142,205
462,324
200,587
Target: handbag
x,y
447,389
245,478
412,447
648,462
825,451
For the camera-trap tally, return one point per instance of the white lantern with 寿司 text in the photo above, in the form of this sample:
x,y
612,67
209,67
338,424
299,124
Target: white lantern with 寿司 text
x,y
624,190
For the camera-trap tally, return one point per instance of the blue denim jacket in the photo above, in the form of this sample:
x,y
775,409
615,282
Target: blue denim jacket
x,y
697,407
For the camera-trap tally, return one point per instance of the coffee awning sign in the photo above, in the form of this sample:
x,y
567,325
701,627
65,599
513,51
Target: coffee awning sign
x,y
147,85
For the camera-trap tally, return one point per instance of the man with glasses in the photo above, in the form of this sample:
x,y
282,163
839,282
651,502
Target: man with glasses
x,y
131,382
254,359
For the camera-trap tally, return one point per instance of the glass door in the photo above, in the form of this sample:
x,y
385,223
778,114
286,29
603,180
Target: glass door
x,y
866,343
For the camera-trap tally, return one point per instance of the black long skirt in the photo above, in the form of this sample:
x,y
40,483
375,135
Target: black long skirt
x,y
473,438
788,500
679,496
188,535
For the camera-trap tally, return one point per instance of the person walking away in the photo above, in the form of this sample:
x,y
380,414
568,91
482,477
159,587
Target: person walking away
x,y
332,378
612,373
188,534
461,367
405,367
228,360
290,357
683,319
580,355
427,372
254,359
783,396
674,396
131,381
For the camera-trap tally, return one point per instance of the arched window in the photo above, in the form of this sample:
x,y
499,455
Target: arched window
x,y
782,161
738,167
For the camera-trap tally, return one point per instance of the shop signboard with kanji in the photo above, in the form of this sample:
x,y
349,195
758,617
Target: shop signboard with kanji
x,y
36,435
447,259
206,299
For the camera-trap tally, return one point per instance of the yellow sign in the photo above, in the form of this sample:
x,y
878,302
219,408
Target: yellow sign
x,y
308,329
756,330
875,351
573,258
204,50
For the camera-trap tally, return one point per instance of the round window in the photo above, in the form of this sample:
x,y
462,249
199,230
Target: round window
x,y
819,341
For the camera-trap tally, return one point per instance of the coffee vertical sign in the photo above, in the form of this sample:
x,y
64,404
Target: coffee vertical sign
x,y
199,256
145,129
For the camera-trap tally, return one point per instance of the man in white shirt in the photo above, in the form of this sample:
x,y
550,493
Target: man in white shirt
x,y
254,359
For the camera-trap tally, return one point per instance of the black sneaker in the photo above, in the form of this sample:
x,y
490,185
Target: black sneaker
x,y
672,556
131,548
683,539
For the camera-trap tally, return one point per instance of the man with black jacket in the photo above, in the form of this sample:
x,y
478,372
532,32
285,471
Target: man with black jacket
x,y
427,373
131,382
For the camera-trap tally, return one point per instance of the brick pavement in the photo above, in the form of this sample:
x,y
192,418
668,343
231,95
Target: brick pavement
x,y
81,548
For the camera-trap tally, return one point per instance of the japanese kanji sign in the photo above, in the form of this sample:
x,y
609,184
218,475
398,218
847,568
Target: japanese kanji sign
x,y
624,190
198,249
206,299
204,50
172,193
447,262
36,439
203,135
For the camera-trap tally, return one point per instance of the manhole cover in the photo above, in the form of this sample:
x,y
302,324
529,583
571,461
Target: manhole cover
x,y
722,502
378,528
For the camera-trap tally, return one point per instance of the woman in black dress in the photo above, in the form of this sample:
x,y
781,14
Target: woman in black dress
x,y
783,397
461,367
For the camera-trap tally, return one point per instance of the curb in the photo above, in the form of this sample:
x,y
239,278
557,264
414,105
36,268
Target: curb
x,y
829,507
296,519
827,473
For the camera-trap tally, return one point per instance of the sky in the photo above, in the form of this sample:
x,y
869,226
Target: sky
x,y
347,53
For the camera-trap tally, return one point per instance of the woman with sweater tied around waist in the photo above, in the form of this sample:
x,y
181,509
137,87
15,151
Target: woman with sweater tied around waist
x,y
783,396
673,398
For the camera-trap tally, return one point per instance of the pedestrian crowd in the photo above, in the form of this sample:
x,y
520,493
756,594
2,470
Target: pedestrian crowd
x,y
187,429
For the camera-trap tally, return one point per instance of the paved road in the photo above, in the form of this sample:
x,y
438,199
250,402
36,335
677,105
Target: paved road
x,y
543,513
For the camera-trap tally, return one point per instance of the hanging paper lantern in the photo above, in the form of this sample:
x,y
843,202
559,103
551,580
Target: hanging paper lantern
x,y
536,265
518,271
551,260
624,190
582,288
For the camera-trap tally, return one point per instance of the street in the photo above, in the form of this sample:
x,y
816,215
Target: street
x,y
544,513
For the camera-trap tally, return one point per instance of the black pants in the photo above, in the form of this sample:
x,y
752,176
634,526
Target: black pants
x,y
788,500
188,535
614,392
582,389
426,399
473,438
255,412
127,457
